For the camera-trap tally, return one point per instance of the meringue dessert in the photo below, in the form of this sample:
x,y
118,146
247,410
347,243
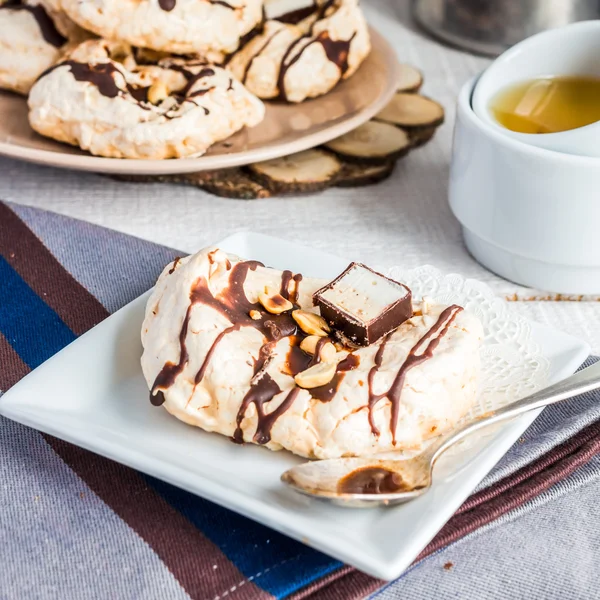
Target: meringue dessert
x,y
101,99
240,349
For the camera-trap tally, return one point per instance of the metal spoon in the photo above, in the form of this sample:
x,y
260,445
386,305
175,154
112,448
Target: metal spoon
x,y
370,482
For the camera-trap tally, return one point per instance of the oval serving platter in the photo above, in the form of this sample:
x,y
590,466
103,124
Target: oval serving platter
x,y
287,128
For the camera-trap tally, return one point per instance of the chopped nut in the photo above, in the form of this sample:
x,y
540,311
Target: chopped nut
x,y
327,352
309,344
157,92
255,315
311,323
317,375
426,304
275,303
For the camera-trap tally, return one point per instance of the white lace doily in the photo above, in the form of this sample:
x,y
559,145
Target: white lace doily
x,y
512,364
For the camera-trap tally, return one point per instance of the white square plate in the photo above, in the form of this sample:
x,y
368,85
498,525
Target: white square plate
x,y
93,394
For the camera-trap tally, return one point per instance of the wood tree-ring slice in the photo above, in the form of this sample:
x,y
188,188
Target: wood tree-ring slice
x,y
372,142
412,110
307,171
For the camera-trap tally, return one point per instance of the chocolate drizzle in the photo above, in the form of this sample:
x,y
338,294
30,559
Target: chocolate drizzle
x,y
180,69
170,371
336,51
294,295
325,393
350,363
139,94
286,278
256,54
222,3
284,67
45,23
169,5
101,75
266,422
157,399
248,37
316,359
193,78
297,360
295,16
202,371
427,344
372,480
263,356
263,391
175,265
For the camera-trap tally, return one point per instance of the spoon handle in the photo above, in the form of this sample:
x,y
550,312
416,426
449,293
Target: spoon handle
x,y
581,382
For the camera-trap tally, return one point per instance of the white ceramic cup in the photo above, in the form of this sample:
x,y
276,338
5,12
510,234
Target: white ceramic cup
x,y
570,50
529,214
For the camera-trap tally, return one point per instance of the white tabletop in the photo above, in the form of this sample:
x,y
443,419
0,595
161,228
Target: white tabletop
x,y
402,221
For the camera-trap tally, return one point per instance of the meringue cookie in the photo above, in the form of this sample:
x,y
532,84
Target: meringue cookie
x,y
33,36
101,100
297,61
179,26
212,365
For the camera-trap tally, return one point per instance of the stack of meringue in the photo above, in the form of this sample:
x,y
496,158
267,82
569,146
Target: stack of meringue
x,y
168,78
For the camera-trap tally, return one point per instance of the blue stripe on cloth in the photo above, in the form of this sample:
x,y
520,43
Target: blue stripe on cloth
x,y
276,563
31,327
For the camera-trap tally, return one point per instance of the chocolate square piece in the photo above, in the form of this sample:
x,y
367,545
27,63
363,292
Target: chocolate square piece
x,y
363,304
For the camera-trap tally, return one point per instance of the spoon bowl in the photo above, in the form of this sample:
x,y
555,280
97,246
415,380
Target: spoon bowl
x,y
368,482
362,482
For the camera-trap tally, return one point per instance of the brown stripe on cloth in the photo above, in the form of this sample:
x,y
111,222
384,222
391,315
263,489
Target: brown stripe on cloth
x,y
466,521
563,452
346,583
179,544
12,368
479,510
46,276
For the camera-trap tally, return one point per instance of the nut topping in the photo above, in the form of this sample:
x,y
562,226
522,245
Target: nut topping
x,y
327,350
157,92
309,344
255,315
311,323
316,376
274,303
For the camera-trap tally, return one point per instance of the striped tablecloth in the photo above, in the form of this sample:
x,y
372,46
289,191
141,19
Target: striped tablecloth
x,y
75,525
